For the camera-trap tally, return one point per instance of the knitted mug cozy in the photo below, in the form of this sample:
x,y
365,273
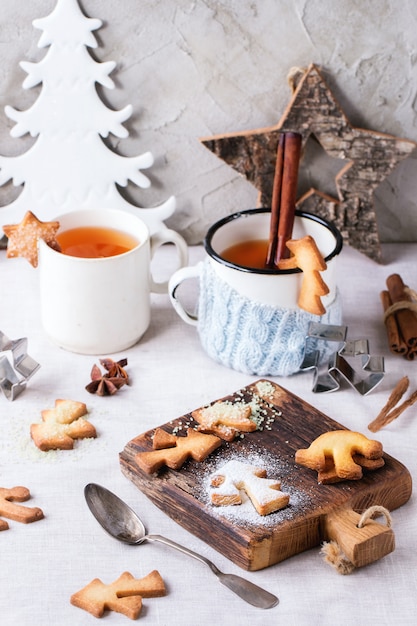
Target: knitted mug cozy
x,y
252,337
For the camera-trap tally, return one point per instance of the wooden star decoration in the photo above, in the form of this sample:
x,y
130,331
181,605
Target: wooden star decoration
x,y
370,157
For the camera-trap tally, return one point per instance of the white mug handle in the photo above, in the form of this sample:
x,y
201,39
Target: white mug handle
x,y
183,274
160,238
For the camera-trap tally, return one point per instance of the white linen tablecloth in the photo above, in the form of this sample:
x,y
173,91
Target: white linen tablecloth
x,y
43,563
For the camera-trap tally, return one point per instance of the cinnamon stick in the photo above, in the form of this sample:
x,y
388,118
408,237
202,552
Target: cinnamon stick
x,y
396,342
392,415
406,319
411,354
288,193
284,196
395,396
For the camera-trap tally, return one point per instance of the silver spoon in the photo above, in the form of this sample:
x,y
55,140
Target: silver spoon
x,y
122,523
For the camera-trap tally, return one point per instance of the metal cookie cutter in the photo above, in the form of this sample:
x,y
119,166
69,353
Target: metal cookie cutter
x,y
328,375
21,364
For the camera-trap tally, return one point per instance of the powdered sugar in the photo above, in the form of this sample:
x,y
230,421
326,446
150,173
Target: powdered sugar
x,y
245,513
236,476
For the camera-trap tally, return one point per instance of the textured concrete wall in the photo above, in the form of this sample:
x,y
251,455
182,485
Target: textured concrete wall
x,y
194,68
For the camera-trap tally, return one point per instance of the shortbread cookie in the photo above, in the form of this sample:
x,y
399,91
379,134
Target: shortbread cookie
x,y
23,238
225,419
124,595
17,512
307,257
265,494
341,446
328,475
161,439
65,411
61,425
195,445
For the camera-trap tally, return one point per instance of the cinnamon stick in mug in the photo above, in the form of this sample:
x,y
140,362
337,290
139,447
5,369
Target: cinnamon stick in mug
x,y
276,203
284,196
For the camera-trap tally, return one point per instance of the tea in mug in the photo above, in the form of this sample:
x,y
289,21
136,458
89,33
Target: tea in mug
x,y
251,253
93,242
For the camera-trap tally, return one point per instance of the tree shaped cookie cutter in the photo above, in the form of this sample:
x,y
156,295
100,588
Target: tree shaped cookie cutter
x,y
15,373
329,374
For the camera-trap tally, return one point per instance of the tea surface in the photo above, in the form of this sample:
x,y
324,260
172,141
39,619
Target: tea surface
x,y
248,253
91,242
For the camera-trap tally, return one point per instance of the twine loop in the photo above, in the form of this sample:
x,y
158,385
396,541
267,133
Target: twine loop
x,y
410,305
294,76
372,512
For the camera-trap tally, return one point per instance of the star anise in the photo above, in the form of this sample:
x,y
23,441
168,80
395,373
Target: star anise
x,y
115,369
109,383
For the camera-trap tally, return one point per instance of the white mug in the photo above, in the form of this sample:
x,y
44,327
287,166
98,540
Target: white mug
x,y
248,319
102,305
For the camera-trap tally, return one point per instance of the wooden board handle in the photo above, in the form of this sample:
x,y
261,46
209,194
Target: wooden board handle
x,y
361,545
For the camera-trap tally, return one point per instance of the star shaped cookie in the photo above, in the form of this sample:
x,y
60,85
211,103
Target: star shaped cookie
x,y
369,157
23,237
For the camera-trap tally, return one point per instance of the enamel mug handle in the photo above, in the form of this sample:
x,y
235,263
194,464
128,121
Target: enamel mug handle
x,y
176,280
159,239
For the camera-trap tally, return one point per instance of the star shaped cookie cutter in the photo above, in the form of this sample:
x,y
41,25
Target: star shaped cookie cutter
x,y
329,374
15,373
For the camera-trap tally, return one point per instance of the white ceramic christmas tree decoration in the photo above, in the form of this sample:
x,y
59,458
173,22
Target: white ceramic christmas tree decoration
x,y
69,167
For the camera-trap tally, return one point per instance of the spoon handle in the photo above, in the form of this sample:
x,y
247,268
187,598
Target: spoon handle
x,y
246,590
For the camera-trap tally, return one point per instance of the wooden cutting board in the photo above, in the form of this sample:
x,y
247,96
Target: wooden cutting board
x,y
315,513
